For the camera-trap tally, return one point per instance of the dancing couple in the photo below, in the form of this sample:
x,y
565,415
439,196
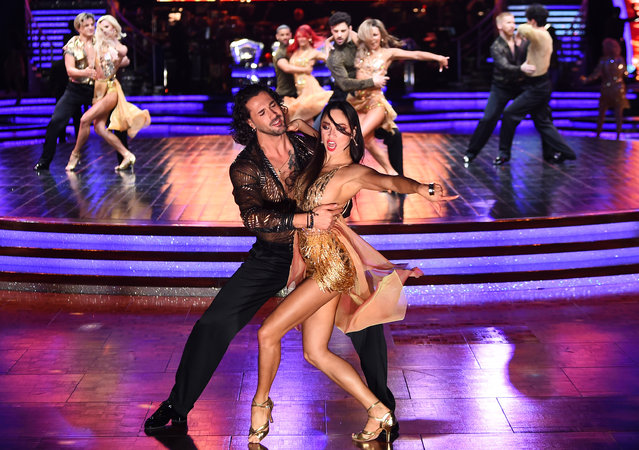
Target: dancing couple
x,y
289,183
92,59
359,63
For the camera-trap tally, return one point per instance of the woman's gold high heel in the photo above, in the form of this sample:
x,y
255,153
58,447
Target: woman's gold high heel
x,y
127,162
385,424
73,161
262,431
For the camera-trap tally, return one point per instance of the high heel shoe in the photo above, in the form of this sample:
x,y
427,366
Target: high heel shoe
x,y
262,431
73,161
385,424
127,162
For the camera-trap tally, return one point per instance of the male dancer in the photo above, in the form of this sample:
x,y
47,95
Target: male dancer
x,y
535,98
78,53
284,70
341,63
259,190
509,55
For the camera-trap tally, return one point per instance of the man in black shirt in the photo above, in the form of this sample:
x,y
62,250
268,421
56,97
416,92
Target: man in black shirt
x,y
262,175
508,55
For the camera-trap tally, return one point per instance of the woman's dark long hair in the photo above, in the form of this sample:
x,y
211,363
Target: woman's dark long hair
x,y
356,146
241,131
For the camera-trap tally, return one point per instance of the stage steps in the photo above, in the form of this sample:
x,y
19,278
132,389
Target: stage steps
x,y
541,256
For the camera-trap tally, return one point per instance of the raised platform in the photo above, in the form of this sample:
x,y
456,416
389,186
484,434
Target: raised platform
x,y
526,230
574,113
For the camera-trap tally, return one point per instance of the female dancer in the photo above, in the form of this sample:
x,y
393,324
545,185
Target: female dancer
x,y
611,69
311,98
109,54
348,282
376,51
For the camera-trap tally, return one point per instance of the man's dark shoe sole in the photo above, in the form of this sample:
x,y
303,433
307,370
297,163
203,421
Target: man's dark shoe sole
x,y
501,160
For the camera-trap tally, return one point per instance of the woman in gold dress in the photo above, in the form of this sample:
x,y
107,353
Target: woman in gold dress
x,y
612,71
108,55
311,97
347,282
376,51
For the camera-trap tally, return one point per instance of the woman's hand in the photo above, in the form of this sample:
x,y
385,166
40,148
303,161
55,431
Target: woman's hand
x,y
324,216
294,126
443,62
300,126
90,73
434,193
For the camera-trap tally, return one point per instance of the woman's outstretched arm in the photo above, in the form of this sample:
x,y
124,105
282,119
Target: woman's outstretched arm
x,y
360,177
417,55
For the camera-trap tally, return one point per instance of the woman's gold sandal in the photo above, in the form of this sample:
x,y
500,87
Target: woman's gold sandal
x,y
386,423
262,431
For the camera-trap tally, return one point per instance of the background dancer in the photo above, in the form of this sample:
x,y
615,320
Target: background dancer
x,y
109,53
509,55
284,70
535,98
311,97
377,50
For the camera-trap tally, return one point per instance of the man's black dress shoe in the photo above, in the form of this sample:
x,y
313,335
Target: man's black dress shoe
x,y
501,159
557,158
41,166
161,417
469,157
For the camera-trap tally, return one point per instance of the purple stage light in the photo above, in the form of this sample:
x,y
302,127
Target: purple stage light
x,y
72,12
469,239
523,291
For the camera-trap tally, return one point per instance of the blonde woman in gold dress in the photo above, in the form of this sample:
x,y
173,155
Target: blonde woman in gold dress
x,y
311,97
377,49
109,53
347,282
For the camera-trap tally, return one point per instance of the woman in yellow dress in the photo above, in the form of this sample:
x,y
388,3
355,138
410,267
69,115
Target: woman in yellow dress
x,y
311,97
109,53
376,51
347,282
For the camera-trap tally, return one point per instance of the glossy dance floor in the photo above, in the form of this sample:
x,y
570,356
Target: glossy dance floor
x,y
185,180
85,372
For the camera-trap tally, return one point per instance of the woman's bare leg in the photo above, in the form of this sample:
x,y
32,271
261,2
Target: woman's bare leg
x,y
380,155
371,121
109,101
99,110
296,307
316,331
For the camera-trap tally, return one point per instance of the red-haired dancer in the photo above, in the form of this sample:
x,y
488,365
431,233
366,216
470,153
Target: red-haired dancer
x,y
311,98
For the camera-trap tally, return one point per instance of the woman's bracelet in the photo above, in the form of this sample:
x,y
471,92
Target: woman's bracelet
x,y
431,188
309,219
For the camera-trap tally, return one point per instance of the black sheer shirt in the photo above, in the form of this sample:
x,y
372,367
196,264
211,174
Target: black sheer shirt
x,y
264,205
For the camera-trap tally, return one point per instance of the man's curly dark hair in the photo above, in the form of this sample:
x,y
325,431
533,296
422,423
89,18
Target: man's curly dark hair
x,y
339,17
241,131
537,12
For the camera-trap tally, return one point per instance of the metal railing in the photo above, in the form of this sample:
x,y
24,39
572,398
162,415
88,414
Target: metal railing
x,y
473,41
